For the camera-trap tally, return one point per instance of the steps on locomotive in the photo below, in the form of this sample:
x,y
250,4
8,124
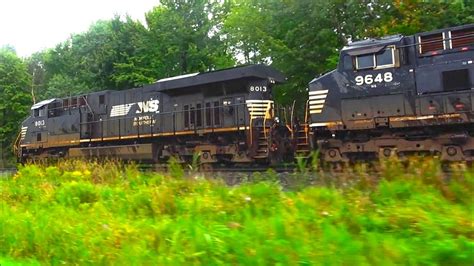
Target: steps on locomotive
x,y
262,142
303,148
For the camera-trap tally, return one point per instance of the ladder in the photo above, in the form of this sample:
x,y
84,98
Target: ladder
x,y
301,136
303,148
262,142
262,111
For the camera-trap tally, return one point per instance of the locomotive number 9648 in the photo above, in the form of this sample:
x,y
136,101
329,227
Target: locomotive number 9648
x,y
369,79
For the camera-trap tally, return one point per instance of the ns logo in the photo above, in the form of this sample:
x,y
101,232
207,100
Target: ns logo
x,y
148,106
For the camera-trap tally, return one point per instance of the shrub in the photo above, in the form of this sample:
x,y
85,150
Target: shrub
x,y
73,194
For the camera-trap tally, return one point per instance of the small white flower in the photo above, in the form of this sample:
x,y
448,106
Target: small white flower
x,y
248,198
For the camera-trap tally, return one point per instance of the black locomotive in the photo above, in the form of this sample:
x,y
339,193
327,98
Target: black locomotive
x,y
227,116
397,95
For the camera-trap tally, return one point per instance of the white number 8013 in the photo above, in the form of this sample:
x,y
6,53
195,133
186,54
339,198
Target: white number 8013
x,y
258,88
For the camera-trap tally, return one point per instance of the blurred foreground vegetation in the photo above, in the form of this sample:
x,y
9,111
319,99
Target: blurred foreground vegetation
x,y
100,214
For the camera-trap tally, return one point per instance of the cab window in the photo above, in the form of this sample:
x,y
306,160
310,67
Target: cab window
x,y
40,112
347,62
385,58
382,59
54,109
365,61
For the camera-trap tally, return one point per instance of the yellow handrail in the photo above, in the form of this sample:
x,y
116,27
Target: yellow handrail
x,y
306,111
267,114
16,145
306,122
250,129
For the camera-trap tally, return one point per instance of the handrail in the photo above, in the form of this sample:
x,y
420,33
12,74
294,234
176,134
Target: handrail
x,y
306,111
267,114
250,129
292,118
16,145
88,106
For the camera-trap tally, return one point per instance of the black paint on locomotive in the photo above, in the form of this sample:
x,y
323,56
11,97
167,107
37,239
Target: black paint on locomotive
x,y
225,115
397,95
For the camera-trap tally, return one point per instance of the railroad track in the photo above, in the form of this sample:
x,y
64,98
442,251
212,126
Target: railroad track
x,y
220,168
7,171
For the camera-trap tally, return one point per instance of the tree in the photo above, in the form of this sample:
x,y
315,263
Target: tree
x,y
184,37
409,17
100,58
132,66
37,72
15,100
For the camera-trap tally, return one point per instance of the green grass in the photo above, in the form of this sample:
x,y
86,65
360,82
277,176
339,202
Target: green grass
x,y
101,214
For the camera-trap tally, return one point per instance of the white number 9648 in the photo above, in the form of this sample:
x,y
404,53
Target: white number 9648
x,y
369,79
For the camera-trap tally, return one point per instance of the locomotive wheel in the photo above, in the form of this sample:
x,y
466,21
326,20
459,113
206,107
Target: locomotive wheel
x,y
206,167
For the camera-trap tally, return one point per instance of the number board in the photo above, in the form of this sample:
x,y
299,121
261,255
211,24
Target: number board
x,y
261,87
370,79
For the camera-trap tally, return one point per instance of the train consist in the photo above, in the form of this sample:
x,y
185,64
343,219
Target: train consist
x,y
396,95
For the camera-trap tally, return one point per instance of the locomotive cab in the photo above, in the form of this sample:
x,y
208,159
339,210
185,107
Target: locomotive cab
x,y
47,126
372,82
35,126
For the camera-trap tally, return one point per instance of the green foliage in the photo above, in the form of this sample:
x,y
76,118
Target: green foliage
x,y
14,100
94,60
194,166
74,194
184,37
409,17
106,213
58,84
175,168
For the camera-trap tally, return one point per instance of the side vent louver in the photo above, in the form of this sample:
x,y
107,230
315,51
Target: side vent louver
x,y
431,43
462,38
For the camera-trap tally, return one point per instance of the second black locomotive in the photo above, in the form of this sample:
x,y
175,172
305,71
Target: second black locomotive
x,y
397,95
